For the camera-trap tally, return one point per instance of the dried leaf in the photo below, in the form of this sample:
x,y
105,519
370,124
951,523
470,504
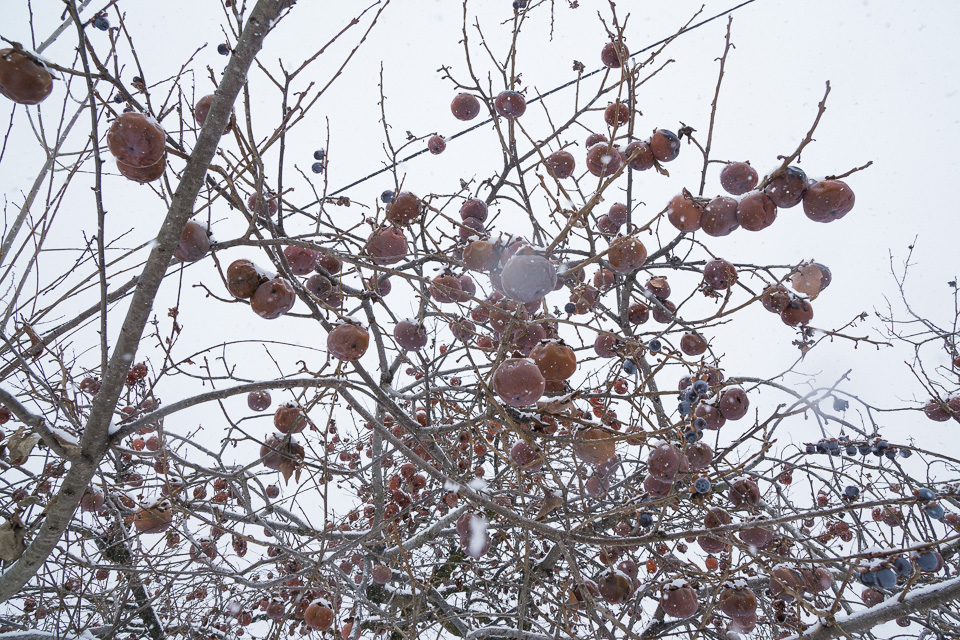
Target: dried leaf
x,y
11,540
21,444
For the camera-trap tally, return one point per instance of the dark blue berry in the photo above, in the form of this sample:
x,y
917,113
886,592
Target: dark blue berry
x,y
387,196
905,453
629,367
851,491
701,485
902,566
887,578
570,307
645,520
868,578
519,4
691,436
811,449
700,386
927,561
926,494
684,408
865,449
118,99
882,444
317,167
101,22
137,80
840,404
821,447
691,396
934,511
891,454
654,346
877,452
223,49
851,450
318,155
700,424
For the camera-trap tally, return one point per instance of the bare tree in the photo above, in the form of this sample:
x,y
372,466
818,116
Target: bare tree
x,y
552,446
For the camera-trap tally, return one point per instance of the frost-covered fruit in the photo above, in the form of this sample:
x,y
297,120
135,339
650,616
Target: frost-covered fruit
x,y
561,164
463,330
410,335
518,382
684,213
744,491
734,403
663,463
556,360
404,209
658,287
665,145
797,312
606,345
381,574
319,285
929,561
510,104
719,274
720,217
445,288
692,344
154,519
679,601
318,616
606,226
243,279
641,153
638,313
194,243
259,400
737,178
465,107
279,453
663,313
626,255
614,587
594,445
603,279
22,79
936,411
381,285
436,145
614,55
471,229
289,418
759,537
618,214
603,160
774,298
787,189
738,602
528,277
811,279
273,299
481,255
387,245
263,206
474,208
348,342
143,175
136,140
526,457
871,597
756,211
302,260
828,200
817,580
92,500
617,113
595,138
330,264
699,455
202,109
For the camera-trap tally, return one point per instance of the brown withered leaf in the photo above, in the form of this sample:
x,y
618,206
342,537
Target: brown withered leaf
x,y
21,444
12,544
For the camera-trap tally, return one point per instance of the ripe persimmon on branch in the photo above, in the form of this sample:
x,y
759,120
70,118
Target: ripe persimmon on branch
x,y
506,395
